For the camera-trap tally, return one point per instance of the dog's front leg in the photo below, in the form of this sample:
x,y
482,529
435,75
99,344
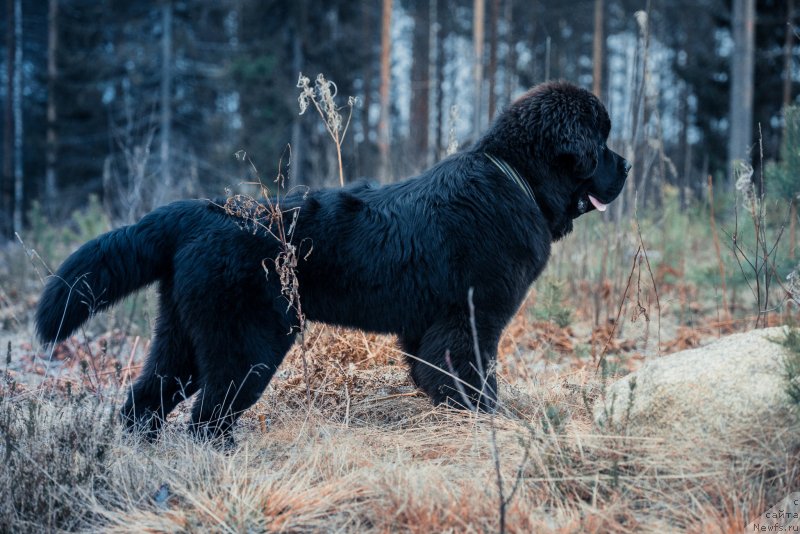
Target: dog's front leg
x,y
447,368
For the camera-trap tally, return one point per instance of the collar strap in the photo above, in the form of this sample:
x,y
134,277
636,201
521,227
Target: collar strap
x,y
512,174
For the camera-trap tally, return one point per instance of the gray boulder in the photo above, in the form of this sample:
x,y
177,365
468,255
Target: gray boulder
x,y
736,386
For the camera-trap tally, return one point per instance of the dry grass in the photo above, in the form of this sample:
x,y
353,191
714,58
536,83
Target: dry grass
x,y
371,455
349,445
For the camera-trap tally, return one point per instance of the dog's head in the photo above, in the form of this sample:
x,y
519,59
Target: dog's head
x,y
555,136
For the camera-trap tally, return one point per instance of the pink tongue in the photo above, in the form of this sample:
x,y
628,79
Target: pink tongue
x,y
597,204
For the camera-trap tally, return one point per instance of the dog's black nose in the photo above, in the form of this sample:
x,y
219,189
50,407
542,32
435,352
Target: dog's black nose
x,y
626,167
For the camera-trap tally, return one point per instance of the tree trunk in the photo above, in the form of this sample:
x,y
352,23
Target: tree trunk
x,y
420,84
477,40
368,72
17,98
787,54
51,181
683,144
547,53
793,229
166,93
787,100
511,56
8,129
433,73
640,110
741,98
386,57
491,73
441,7
597,48
298,41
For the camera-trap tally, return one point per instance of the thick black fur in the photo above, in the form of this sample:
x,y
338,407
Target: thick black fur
x,y
399,258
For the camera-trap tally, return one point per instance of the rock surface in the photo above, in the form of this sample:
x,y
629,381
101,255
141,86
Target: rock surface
x,y
734,386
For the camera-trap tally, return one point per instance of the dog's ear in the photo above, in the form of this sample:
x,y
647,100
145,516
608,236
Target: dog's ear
x,y
577,157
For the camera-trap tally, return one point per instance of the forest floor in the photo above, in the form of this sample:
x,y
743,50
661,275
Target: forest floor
x,y
345,443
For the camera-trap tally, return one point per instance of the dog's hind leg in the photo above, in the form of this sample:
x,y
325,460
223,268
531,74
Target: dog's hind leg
x,y
169,374
235,369
445,365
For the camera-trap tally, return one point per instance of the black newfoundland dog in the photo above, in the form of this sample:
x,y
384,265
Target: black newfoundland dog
x,y
399,258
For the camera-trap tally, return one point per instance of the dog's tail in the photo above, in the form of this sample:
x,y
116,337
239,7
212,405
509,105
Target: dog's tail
x,y
103,271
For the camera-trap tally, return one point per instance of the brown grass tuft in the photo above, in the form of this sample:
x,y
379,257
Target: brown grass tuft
x,y
371,455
